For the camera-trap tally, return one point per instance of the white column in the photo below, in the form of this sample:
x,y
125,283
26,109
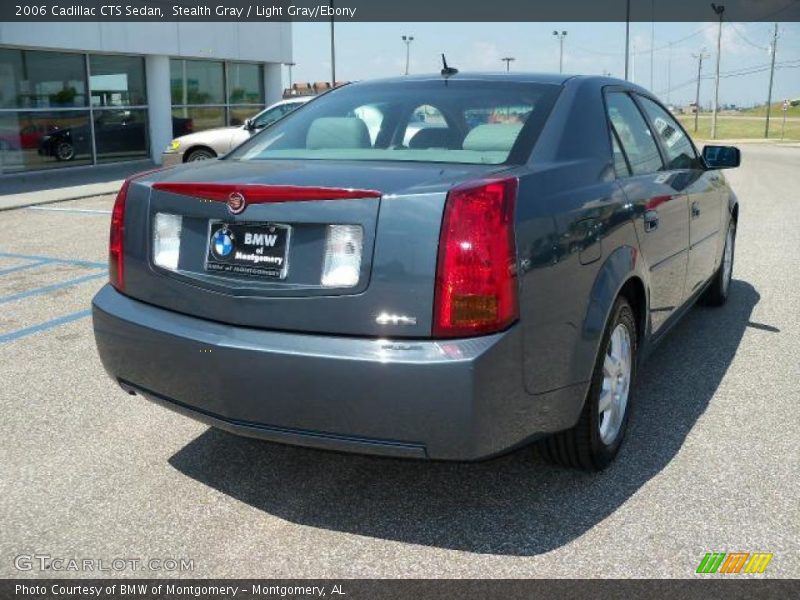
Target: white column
x,y
159,101
273,82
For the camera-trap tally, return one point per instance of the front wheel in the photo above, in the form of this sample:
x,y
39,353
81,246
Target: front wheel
x,y
717,292
594,442
65,151
200,154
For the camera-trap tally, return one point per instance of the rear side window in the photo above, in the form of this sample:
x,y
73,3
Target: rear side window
x,y
437,120
680,152
620,164
634,134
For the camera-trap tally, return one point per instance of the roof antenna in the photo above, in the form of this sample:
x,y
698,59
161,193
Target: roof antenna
x,y
447,71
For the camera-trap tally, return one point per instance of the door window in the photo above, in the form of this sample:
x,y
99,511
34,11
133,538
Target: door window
x,y
634,134
272,115
680,152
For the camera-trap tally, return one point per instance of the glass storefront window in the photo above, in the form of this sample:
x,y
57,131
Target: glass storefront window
x,y
41,140
33,79
117,80
196,118
245,84
197,82
120,134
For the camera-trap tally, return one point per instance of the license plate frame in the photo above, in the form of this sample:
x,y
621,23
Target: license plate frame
x,y
231,264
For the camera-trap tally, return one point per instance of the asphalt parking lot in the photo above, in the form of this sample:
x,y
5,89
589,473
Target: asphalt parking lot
x,y
711,464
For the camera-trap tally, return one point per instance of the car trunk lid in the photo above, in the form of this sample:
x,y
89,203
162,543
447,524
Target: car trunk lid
x,y
397,207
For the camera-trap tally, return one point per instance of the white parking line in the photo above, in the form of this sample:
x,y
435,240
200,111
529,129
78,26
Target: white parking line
x,y
72,210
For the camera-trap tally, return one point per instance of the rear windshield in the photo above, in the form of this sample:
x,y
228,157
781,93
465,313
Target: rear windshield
x,y
450,121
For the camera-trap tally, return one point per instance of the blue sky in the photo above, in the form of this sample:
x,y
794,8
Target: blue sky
x,y
370,50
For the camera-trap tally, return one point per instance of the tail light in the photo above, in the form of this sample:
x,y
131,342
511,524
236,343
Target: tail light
x,y
116,238
256,193
476,275
116,260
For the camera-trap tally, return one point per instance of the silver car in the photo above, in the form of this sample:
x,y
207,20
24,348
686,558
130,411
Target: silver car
x,y
211,143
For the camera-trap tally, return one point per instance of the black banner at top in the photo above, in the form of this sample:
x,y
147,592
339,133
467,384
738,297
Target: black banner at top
x,y
396,10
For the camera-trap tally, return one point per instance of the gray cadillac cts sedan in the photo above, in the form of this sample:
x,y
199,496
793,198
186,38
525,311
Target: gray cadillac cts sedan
x,y
492,279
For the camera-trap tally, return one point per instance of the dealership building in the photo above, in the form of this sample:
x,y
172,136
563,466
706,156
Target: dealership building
x,y
78,94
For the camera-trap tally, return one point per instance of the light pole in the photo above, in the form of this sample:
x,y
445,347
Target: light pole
x,y
333,47
508,60
560,37
719,10
627,36
699,58
290,65
408,39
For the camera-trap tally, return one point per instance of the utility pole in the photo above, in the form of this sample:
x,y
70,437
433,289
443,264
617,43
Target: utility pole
x,y
561,37
771,79
627,36
669,72
699,58
408,39
333,47
508,60
652,41
719,10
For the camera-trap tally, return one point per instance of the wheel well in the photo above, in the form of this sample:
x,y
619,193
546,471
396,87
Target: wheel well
x,y
634,293
191,150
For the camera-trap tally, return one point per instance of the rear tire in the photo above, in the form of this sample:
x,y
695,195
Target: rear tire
x,y
595,441
200,154
717,293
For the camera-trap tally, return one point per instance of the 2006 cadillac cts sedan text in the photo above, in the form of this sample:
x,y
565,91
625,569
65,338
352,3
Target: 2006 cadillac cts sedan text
x,y
494,279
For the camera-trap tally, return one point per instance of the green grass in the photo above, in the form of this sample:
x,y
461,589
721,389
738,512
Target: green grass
x,y
733,128
777,109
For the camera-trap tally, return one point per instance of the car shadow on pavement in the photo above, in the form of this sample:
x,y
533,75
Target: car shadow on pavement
x,y
516,504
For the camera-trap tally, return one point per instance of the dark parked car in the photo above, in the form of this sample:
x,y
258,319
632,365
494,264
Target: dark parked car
x,y
116,132
494,281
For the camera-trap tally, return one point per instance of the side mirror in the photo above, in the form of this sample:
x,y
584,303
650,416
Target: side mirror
x,y
248,124
722,157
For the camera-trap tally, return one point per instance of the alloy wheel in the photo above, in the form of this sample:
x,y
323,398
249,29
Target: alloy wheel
x,y
617,372
727,261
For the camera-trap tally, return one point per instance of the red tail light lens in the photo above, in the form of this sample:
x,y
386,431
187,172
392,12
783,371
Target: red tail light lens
x,y
116,261
116,238
476,275
259,194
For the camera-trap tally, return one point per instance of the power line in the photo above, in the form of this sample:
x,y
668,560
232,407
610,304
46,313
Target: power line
x,y
646,50
743,36
786,64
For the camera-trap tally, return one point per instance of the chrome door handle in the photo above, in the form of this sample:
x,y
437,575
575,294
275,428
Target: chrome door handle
x,y
650,220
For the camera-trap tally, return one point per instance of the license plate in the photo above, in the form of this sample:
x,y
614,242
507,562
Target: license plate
x,y
255,249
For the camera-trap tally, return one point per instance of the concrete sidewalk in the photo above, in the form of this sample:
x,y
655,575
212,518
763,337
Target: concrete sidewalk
x,y
57,185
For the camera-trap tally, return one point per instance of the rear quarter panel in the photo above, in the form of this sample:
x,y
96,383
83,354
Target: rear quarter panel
x,y
576,241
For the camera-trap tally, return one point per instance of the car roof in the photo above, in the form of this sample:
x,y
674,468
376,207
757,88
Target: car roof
x,y
549,78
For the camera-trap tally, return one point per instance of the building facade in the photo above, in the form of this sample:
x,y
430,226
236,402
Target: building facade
x,y
89,93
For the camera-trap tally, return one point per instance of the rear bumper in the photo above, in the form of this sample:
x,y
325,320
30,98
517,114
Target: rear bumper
x,y
453,400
